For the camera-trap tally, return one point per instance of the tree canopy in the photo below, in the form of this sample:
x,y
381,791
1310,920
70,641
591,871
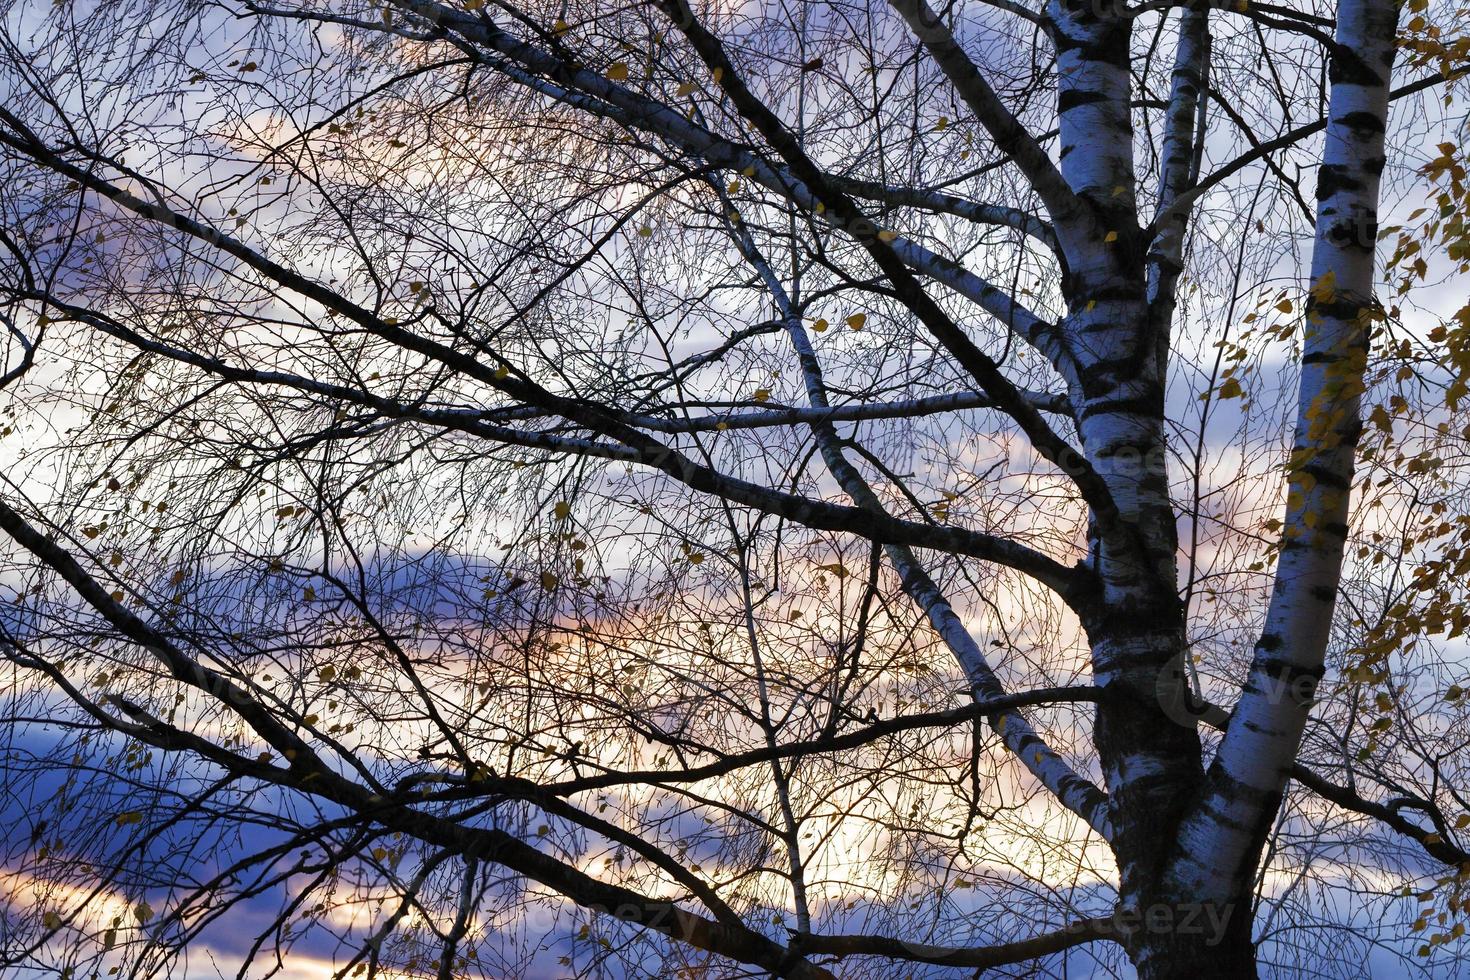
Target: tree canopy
x,y
856,489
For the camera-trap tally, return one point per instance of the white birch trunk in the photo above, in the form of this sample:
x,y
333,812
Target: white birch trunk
x,y
1220,843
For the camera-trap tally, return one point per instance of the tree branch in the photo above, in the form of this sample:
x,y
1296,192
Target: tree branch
x,y
978,958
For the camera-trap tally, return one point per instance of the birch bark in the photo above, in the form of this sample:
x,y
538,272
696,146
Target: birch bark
x,y
1220,841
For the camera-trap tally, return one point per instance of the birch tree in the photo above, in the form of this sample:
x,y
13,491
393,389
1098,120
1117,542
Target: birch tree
x,y
854,489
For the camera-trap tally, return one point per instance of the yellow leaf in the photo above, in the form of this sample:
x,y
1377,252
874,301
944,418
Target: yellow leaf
x,y
718,74
684,88
51,920
887,236
942,124
1111,236
561,26
562,510
618,71
762,394
645,232
501,372
820,325
857,320
549,581
1284,306
1325,288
